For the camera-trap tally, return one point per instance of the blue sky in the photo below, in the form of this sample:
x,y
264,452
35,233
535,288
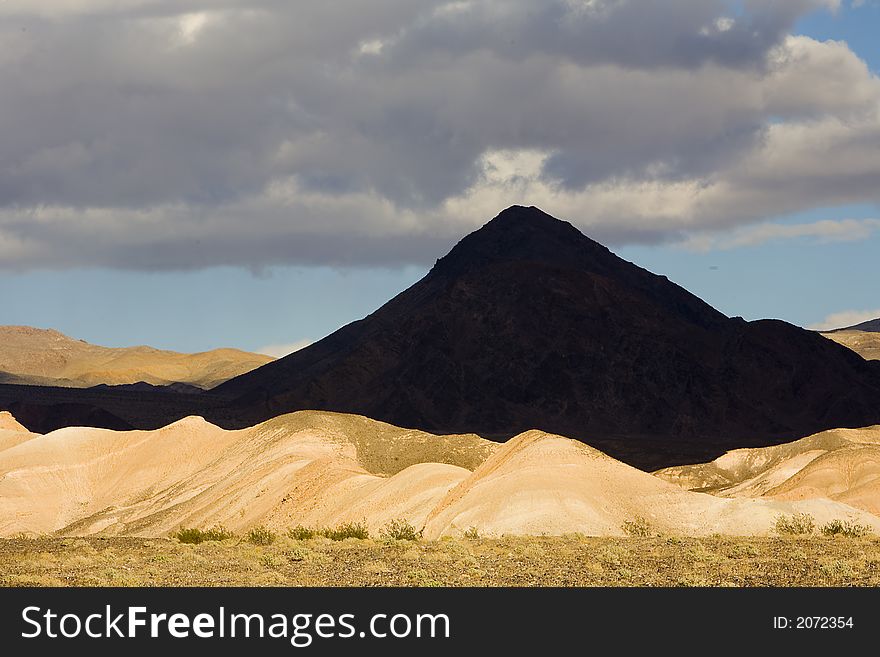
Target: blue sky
x,y
253,305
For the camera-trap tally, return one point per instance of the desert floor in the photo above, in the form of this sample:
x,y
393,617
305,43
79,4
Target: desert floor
x,y
571,560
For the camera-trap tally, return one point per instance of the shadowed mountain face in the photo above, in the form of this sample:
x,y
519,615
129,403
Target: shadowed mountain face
x,y
871,326
44,418
527,323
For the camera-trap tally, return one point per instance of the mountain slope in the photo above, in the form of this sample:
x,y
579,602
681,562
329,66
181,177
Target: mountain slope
x,y
841,465
539,483
865,343
527,323
871,326
30,356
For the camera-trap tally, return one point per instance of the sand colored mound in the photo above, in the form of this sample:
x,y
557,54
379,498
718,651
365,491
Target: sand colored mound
x,y
543,483
12,432
864,343
9,423
318,469
842,465
46,357
306,468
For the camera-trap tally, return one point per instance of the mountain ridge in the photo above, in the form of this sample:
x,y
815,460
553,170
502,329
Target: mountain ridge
x,y
527,323
35,356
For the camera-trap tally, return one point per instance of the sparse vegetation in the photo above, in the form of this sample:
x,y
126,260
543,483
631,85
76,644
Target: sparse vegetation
x,y
195,536
472,534
400,529
638,526
300,533
798,524
570,560
347,530
261,536
338,533
845,528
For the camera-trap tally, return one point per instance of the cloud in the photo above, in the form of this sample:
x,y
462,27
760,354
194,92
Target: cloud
x,y
844,230
845,318
282,350
154,134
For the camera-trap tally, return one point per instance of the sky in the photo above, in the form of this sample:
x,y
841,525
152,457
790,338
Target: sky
x,y
192,174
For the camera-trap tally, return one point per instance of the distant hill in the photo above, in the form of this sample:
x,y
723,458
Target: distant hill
x,y
527,323
32,356
871,326
840,464
865,343
864,338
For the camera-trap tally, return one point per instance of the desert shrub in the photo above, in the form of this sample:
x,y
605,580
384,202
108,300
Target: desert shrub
x,y
300,533
846,528
195,536
472,534
346,530
638,526
400,530
795,525
260,536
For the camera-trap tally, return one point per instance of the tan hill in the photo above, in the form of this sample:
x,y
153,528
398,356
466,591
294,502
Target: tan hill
x,y
319,469
865,343
304,468
842,465
539,483
12,432
46,357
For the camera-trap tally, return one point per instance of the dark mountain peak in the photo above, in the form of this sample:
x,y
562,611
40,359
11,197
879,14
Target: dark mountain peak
x,y
529,218
527,234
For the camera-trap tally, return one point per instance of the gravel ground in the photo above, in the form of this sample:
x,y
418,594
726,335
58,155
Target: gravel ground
x,y
509,561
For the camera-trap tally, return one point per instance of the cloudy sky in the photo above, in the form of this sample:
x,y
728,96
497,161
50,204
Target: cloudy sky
x,y
256,173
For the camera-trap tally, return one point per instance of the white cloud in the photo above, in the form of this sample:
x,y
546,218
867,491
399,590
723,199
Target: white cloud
x,y
845,318
844,230
190,25
282,350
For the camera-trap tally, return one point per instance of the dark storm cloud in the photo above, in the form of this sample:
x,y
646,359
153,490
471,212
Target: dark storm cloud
x,y
158,134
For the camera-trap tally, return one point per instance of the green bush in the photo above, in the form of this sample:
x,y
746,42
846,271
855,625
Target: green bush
x,y
195,536
846,528
260,536
400,530
472,534
346,530
795,525
300,533
638,526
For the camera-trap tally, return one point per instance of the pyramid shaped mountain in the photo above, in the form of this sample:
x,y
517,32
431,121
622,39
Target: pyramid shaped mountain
x,y
527,323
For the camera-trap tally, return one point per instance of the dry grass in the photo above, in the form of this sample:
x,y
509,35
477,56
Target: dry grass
x,y
522,561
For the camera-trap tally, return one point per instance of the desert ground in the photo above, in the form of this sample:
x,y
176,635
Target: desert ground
x,y
572,560
35,356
